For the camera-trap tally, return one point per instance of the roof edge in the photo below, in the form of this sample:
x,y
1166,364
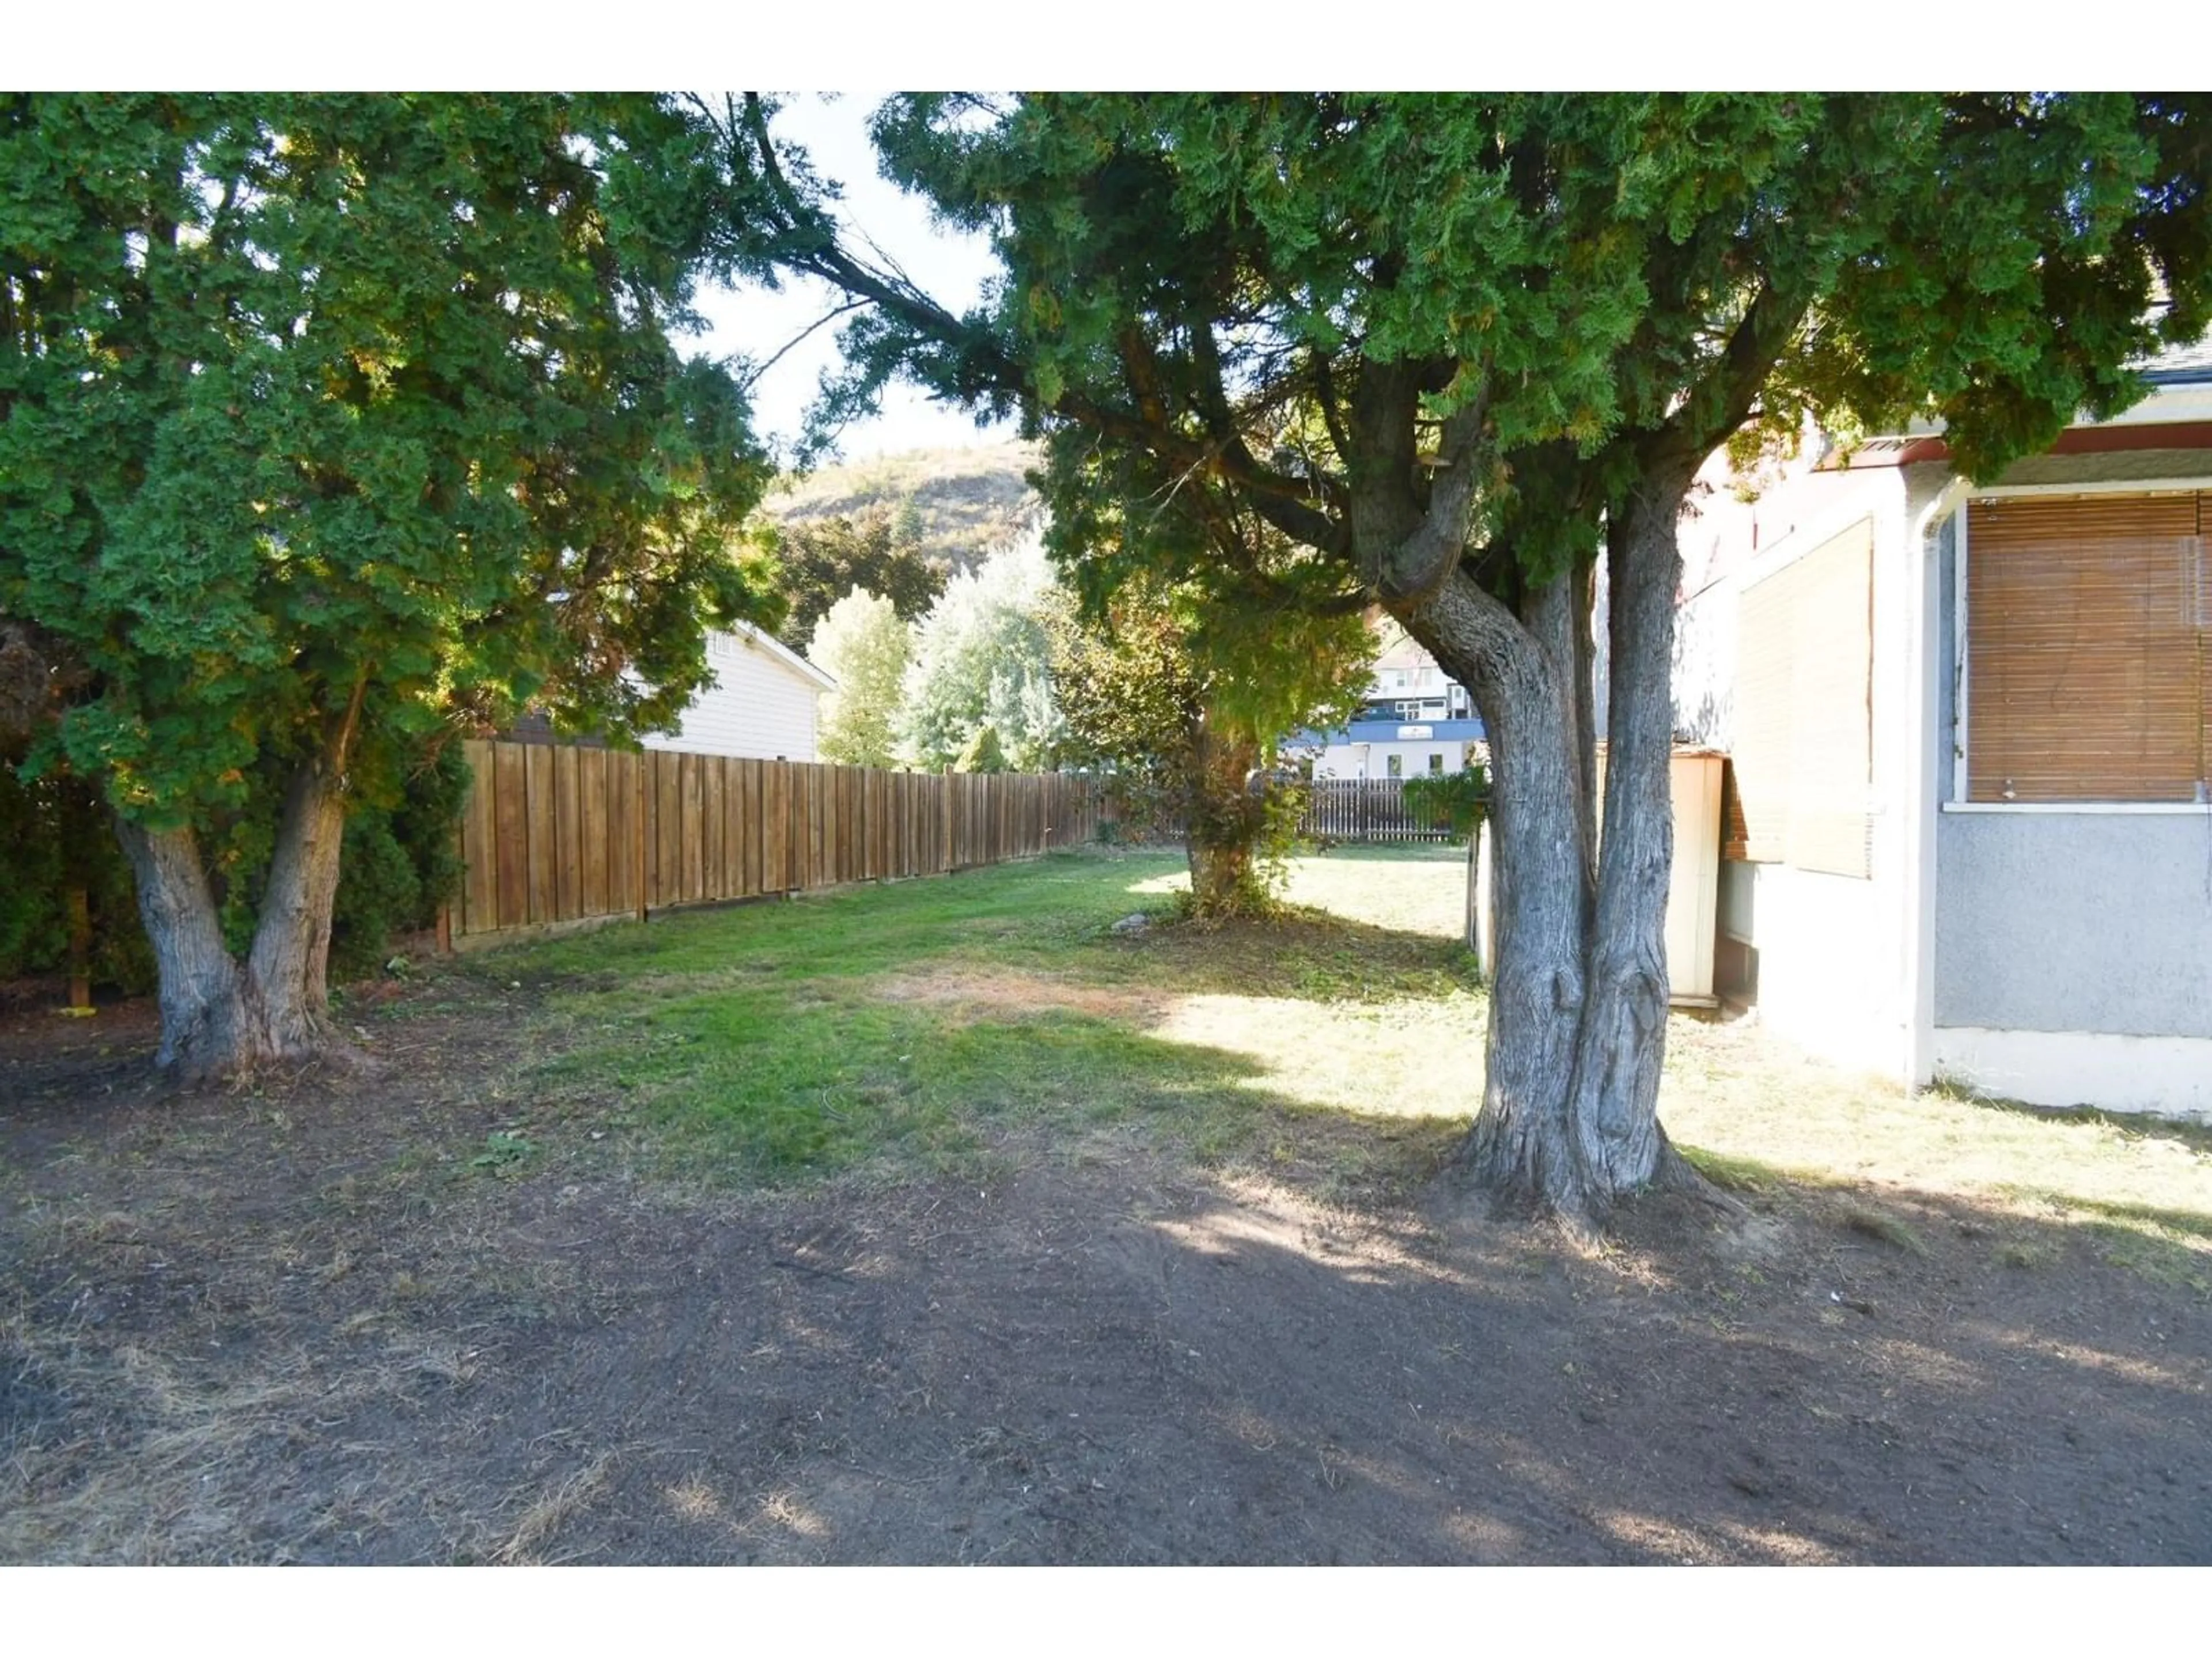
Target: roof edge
x,y
782,653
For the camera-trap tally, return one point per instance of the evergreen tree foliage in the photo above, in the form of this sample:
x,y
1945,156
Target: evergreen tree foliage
x,y
1181,706
819,560
329,423
982,753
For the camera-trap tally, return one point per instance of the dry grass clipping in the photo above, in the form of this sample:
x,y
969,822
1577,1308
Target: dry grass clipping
x,y
553,1509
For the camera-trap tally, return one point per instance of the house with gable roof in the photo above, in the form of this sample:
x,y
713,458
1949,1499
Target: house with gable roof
x,y
1415,721
762,702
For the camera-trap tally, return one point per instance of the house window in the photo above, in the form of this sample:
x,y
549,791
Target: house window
x,y
2086,638
1436,765
1804,759
1394,765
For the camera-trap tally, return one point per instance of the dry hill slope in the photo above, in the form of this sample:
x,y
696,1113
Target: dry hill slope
x,y
964,501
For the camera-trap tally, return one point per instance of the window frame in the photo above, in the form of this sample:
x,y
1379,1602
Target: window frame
x,y
1956,795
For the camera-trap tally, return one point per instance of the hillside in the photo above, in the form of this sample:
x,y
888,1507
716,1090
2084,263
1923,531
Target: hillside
x,y
964,501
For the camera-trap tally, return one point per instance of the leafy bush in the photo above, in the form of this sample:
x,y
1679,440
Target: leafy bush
x,y
399,865
1454,801
55,834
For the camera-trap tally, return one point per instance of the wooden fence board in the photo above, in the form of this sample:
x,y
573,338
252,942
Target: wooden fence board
x,y
706,827
734,825
567,831
749,837
509,839
667,797
592,830
776,827
480,887
690,781
733,839
821,828
622,834
539,832
554,834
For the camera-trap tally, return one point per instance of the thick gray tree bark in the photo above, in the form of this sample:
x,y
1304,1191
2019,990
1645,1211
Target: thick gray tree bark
x,y
220,1016
1613,1104
201,1007
1578,986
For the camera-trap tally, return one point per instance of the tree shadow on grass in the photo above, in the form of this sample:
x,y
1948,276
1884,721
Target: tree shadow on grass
x,y
1311,956
1037,1284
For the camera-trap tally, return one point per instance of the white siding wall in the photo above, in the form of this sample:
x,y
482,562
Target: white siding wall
x,y
1369,760
1837,957
759,706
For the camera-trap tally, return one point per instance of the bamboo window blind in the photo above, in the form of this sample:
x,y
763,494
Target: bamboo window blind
x,y
1803,757
2087,637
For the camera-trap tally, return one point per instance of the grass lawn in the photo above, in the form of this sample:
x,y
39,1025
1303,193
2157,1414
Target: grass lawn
x,y
883,1032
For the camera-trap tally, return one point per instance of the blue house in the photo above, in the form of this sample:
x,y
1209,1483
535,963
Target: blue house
x,y
1416,720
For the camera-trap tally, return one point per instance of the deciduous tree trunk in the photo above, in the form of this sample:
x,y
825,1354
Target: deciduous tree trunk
x,y
1578,989
220,1015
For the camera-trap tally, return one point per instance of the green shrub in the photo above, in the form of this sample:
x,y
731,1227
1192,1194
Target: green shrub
x,y
1454,801
54,832
399,865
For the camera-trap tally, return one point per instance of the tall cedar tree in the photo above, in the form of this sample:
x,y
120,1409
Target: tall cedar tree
x,y
1467,346
326,422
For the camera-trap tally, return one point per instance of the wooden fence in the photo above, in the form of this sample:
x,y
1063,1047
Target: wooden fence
x,y
1364,809
554,834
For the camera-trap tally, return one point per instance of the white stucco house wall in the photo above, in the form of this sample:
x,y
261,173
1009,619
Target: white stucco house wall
x,y
1969,723
763,703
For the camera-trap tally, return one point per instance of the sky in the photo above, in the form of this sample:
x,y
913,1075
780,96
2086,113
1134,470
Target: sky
x,y
756,324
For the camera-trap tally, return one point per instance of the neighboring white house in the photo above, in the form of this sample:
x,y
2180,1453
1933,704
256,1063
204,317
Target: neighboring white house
x,y
1416,720
1970,731
762,703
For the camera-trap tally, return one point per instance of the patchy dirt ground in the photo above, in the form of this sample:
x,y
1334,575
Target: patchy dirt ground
x,y
365,1318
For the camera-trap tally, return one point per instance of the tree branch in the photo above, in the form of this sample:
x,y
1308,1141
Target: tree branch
x,y
1420,562
788,346
1721,400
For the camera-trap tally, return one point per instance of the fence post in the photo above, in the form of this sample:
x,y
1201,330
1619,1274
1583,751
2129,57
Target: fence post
x,y
637,837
